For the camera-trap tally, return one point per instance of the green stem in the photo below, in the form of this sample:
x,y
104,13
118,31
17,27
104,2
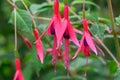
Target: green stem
x,y
84,16
109,52
117,46
15,29
34,24
10,3
65,2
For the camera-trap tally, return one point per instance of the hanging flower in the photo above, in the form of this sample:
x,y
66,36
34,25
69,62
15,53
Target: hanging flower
x,y
55,27
69,31
39,46
18,74
28,43
86,42
69,34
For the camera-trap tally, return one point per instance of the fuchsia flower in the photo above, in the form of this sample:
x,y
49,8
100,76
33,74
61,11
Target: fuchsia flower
x,y
27,42
68,34
55,27
39,46
18,74
69,31
86,42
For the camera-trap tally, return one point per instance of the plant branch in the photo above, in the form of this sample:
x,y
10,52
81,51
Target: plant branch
x,y
42,18
84,16
34,24
10,3
74,13
15,31
117,46
109,52
65,2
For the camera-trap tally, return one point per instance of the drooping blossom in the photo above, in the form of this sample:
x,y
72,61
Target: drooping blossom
x,y
69,34
69,31
86,42
26,41
39,46
55,27
18,74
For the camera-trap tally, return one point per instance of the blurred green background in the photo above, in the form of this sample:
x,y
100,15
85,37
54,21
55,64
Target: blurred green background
x,y
100,68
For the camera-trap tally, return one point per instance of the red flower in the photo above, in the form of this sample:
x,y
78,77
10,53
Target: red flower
x,y
18,74
66,54
69,32
56,53
55,27
28,43
86,42
39,46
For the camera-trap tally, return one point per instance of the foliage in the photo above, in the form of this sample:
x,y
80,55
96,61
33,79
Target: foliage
x,y
100,68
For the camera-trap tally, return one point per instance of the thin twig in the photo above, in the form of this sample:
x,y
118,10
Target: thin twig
x,y
34,24
10,3
84,15
116,41
15,31
42,18
74,13
32,17
109,52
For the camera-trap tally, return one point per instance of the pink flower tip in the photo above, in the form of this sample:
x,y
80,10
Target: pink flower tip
x,y
17,62
18,74
40,51
28,43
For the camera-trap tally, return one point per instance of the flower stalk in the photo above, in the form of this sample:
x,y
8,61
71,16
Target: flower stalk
x,y
65,2
84,16
15,31
117,46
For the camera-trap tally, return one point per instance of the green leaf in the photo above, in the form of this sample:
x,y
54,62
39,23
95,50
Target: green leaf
x,y
24,22
86,2
97,30
117,75
35,8
35,63
78,62
27,2
27,71
61,78
112,66
117,20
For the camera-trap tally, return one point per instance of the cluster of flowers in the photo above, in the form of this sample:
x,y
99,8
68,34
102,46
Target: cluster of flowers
x,y
62,32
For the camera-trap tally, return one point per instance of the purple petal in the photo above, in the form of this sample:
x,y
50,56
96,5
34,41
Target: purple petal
x,y
90,42
50,25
